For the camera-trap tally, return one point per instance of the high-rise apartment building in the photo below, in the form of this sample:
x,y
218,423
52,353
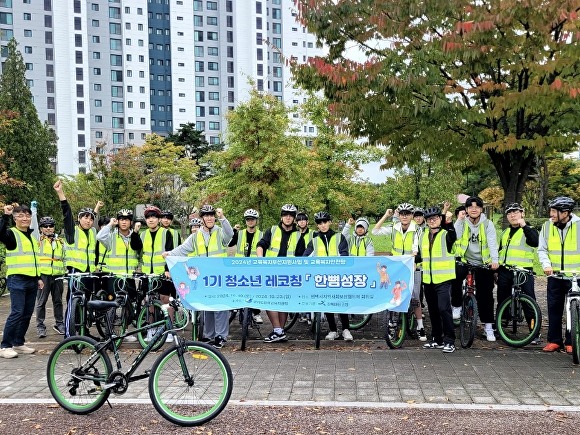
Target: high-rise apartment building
x,y
105,73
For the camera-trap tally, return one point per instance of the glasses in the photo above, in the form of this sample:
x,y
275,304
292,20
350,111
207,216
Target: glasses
x,y
287,214
47,226
405,213
433,218
250,219
322,221
22,216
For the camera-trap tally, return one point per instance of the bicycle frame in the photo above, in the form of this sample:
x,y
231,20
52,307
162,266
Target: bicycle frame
x,y
573,294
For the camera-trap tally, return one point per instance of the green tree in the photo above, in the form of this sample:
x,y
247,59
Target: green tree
x,y
452,78
195,146
29,145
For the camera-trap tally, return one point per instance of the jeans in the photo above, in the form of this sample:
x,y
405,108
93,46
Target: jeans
x,y
557,291
53,288
438,298
23,290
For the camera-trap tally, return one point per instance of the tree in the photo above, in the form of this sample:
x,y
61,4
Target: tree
x,y
29,145
195,147
452,78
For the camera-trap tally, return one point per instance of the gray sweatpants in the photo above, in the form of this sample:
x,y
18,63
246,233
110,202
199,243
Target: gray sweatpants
x,y
216,323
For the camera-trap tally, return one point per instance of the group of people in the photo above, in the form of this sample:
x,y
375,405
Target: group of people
x,y
37,257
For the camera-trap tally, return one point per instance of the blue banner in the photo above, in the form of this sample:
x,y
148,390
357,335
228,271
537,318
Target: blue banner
x,y
353,285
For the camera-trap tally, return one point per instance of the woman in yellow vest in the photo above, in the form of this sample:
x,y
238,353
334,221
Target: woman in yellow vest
x,y
22,278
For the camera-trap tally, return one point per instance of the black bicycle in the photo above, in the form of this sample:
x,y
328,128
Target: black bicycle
x,y
189,384
398,326
469,311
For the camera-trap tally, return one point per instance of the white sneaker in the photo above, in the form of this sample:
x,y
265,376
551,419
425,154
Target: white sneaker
x,y
258,319
346,335
8,352
456,313
332,335
23,349
490,335
150,334
169,338
130,339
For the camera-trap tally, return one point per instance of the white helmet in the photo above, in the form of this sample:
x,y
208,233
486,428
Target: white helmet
x,y
251,213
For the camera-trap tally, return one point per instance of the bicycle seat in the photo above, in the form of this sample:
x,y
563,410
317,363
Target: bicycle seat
x,y
102,305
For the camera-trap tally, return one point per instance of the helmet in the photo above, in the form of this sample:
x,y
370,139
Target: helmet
x,y
301,216
86,211
45,221
513,206
473,199
167,214
362,222
151,210
432,211
251,213
195,222
289,209
419,212
562,203
125,213
322,216
206,209
406,207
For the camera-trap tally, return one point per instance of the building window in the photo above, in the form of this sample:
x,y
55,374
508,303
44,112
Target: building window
x,y
198,51
200,125
212,6
199,96
199,66
214,110
213,81
98,103
212,51
117,91
212,36
95,23
212,21
97,71
96,39
213,66
98,134
117,106
276,28
199,111
214,125
199,81
98,119
118,138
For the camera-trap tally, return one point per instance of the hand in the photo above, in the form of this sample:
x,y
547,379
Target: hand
x,y
522,222
494,266
113,222
99,205
40,284
446,205
165,254
461,215
350,221
8,209
548,271
167,274
389,212
34,205
137,227
58,186
237,227
219,213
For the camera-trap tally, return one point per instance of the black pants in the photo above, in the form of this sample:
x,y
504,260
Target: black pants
x,y
332,322
484,291
557,291
439,304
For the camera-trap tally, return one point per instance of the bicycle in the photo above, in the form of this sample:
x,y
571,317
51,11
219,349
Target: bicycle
x,y
398,325
519,317
189,384
246,320
572,308
469,311
358,321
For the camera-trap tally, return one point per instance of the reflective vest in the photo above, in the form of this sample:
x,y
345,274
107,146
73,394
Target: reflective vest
x,y
215,247
103,251
564,255
51,256
121,258
462,244
241,246
81,254
438,263
515,251
23,260
152,258
403,243
321,250
174,235
358,245
276,240
307,236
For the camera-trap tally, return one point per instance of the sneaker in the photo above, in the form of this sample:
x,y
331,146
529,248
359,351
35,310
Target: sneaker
x,y
569,349
219,342
206,340
456,313
169,338
59,329
41,332
332,335
432,345
150,334
422,336
303,319
551,347
346,335
274,337
130,339
449,348
258,319
8,352
536,340
24,349
489,335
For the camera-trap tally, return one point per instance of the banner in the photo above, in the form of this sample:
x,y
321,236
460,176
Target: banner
x,y
353,285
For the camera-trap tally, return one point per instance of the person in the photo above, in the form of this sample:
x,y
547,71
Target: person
x,y
166,221
327,243
195,224
419,218
404,238
476,245
359,243
246,242
438,260
22,278
516,248
51,261
559,251
282,240
302,225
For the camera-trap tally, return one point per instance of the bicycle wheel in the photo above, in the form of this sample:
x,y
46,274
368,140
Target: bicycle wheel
x,y
245,316
76,375
193,401
513,326
197,325
291,321
150,313
468,321
2,285
76,324
317,329
396,329
119,318
575,330
357,321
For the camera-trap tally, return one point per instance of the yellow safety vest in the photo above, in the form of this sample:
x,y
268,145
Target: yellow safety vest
x,y
564,255
51,257
23,260
81,254
438,263
276,240
121,258
462,244
403,243
307,236
152,258
241,245
320,249
515,251
360,249
174,235
215,247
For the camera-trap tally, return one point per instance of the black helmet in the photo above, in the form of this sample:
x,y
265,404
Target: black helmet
x,y
86,211
206,209
251,214
432,211
288,209
322,216
419,212
167,213
473,199
46,221
562,203
406,207
513,206
125,213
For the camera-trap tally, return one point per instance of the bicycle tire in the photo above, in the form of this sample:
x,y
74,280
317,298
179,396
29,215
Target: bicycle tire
x,y
396,329
468,320
119,320
76,324
516,332
291,320
197,325
358,321
63,372
198,401
317,329
575,330
2,285
245,321
145,318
